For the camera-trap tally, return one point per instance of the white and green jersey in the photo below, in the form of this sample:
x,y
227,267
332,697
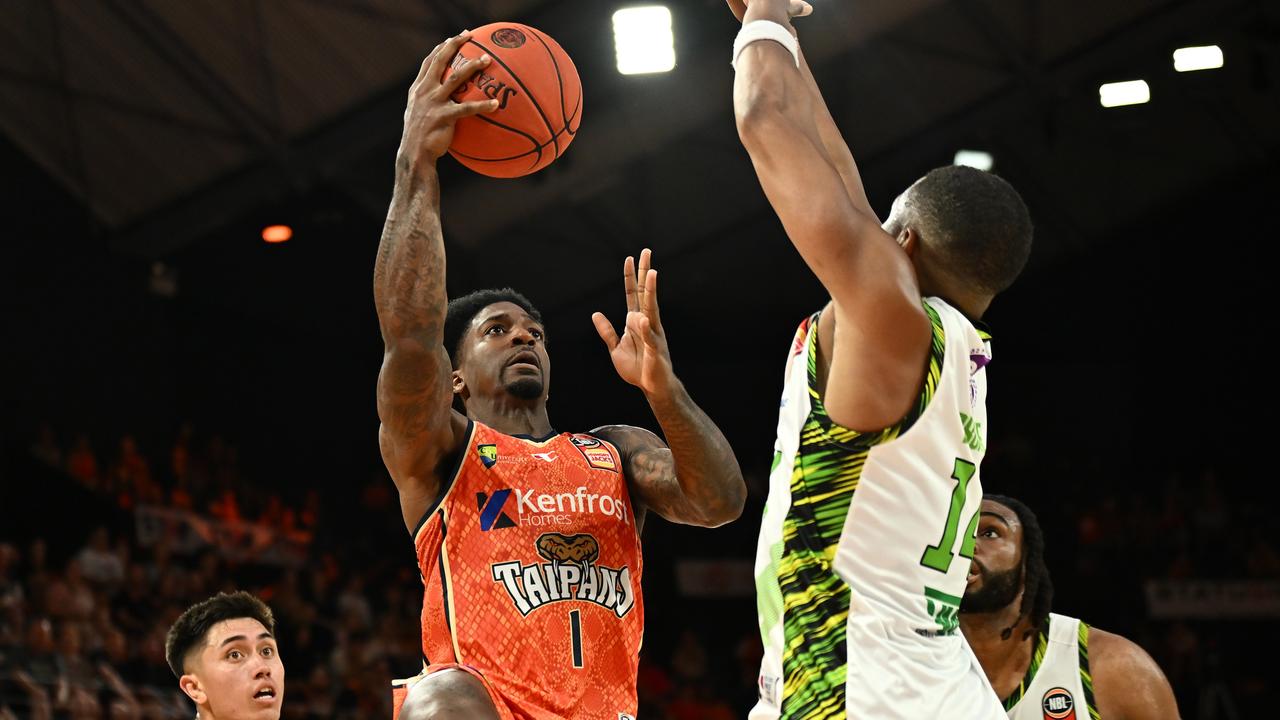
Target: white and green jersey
x,y
866,544
1057,683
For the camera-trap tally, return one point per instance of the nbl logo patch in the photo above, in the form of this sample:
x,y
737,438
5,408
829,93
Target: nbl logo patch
x,y
1058,705
490,507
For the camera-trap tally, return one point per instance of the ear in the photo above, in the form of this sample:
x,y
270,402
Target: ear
x,y
909,239
459,385
190,685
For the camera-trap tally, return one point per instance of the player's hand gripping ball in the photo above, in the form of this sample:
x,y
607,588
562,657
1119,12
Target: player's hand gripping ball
x,y
539,101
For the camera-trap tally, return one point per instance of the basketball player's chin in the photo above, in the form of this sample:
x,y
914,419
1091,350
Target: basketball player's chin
x,y
525,388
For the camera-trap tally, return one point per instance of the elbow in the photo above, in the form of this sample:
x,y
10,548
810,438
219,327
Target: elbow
x,y
730,506
761,111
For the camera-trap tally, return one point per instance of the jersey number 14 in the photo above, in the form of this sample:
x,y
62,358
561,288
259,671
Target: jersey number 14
x,y
940,556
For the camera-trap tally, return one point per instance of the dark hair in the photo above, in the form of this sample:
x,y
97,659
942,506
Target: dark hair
x,y
1037,594
463,310
976,220
190,629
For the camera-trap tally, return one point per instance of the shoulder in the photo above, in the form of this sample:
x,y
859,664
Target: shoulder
x,y
1127,682
628,439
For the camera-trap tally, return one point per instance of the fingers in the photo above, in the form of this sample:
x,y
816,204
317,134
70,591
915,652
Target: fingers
x,y
738,8
459,110
646,257
629,284
799,8
443,55
605,330
651,300
463,72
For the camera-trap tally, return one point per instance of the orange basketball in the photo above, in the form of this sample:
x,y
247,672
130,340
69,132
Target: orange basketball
x,y
539,95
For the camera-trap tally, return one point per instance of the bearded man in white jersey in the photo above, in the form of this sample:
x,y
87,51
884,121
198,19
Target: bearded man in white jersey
x,y
1041,664
873,501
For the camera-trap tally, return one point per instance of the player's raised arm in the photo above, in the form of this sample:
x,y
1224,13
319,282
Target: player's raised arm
x,y
882,334
693,477
837,149
414,394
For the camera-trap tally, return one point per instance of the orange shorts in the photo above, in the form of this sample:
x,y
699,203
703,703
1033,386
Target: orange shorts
x,y
400,689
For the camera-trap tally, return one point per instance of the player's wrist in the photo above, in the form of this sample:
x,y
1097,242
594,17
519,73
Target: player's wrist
x,y
765,30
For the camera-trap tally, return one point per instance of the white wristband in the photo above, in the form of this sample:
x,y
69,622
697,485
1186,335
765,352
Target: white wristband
x,y
757,30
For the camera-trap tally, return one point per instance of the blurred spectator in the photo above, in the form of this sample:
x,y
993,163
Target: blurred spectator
x,y
82,464
99,563
46,448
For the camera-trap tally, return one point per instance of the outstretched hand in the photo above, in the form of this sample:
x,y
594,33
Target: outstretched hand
x,y
795,8
640,356
430,115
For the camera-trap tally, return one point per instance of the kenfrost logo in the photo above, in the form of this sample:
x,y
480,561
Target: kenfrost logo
x,y
537,509
490,507
571,573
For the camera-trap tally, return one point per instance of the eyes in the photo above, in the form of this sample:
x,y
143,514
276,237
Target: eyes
x,y
234,655
498,329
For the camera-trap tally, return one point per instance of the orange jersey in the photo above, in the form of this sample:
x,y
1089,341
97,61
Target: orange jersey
x,y
531,566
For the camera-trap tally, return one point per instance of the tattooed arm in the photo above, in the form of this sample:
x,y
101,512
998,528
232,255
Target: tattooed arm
x,y
418,427
694,477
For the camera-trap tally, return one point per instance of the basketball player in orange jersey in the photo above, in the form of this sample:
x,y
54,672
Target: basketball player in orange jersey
x,y
527,538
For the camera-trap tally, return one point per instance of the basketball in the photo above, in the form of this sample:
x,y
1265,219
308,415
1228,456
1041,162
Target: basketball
x,y
539,96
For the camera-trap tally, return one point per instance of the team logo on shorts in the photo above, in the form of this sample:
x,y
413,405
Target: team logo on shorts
x,y
1058,705
488,454
490,507
507,38
571,573
597,455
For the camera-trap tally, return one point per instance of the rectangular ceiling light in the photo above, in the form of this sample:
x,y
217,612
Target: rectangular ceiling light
x,y
975,159
1131,92
643,40
1207,57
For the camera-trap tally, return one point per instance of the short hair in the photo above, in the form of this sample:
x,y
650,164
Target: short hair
x,y
1037,594
191,627
976,220
463,310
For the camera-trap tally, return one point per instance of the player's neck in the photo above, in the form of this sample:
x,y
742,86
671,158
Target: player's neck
x,y
1003,658
508,418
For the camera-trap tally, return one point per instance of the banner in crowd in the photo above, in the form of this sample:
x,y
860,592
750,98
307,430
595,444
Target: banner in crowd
x,y
1210,599
188,533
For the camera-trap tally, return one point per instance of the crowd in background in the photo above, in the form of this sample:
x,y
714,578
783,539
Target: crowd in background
x,y
84,608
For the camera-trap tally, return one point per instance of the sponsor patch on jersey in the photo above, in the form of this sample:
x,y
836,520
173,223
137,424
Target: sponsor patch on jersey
x,y
488,454
491,510
625,716
1058,705
768,689
597,455
571,573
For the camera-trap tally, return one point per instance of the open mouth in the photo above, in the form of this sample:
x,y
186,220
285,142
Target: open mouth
x,y
525,357
265,695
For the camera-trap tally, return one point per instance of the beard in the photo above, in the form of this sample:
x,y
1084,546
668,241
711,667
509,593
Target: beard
x,y
997,592
526,388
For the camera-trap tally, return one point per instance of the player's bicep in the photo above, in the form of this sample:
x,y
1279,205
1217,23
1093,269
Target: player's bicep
x,y
1127,682
414,405
651,472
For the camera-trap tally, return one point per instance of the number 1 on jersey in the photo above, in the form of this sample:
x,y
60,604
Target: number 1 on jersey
x,y
575,629
939,557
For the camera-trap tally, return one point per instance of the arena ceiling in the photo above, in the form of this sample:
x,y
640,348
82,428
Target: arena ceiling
x,y
182,127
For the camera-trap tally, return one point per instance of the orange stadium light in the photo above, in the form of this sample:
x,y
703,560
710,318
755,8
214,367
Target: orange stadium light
x,y
277,233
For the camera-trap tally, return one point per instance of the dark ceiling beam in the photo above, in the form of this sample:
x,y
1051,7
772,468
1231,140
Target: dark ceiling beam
x,y
124,107
154,32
